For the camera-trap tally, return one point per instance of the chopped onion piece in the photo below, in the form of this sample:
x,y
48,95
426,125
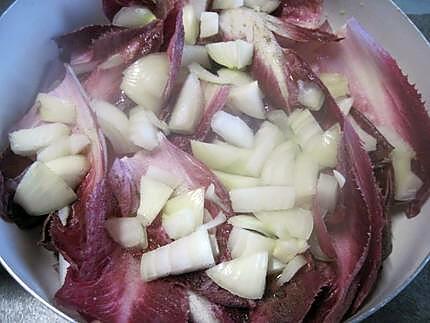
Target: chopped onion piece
x,y
111,62
249,222
199,6
27,142
63,215
231,181
242,242
115,126
304,126
407,183
144,81
179,224
327,192
63,265
293,223
279,166
263,198
204,74
315,249
234,77
209,24
227,4
291,269
266,139
310,96
133,16
143,132
337,84
195,54
163,176
232,54
82,68
72,145
368,142
305,177
225,76
153,196
262,5
286,250
201,309
189,204
218,220
139,112
275,266
214,244
160,124
127,232
188,254
71,169
188,109
345,104
340,178
244,277
248,99
223,157
191,24
41,191
232,129
211,195
280,119
207,216
323,148
53,109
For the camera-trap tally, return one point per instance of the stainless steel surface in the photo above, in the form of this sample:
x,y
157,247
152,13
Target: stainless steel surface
x,y
16,305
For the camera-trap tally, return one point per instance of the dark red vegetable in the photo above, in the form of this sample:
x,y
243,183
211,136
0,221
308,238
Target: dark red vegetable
x,y
118,294
292,301
382,94
305,13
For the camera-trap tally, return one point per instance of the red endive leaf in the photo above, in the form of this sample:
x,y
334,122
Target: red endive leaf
x,y
305,13
130,43
215,103
79,42
175,48
126,173
350,227
119,294
287,31
300,70
71,89
365,180
382,93
170,158
104,84
321,232
270,67
277,70
165,7
200,283
95,200
292,301
383,147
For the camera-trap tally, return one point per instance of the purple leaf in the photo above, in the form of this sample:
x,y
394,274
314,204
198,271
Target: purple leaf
x,y
382,94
